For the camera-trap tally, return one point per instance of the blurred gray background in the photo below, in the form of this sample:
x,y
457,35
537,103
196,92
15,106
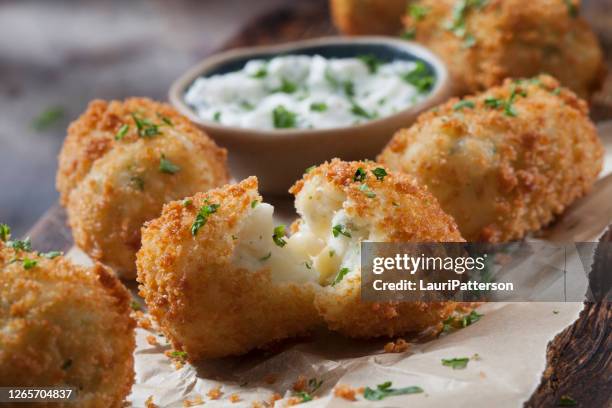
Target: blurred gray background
x,y
55,56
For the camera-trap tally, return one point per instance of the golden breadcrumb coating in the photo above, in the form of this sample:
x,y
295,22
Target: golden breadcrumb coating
x,y
111,178
391,208
354,17
215,294
484,42
503,162
64,325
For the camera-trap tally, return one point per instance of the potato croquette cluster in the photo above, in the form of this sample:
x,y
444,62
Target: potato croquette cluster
x,y
63,325
120,162
221,279
503,162
484,42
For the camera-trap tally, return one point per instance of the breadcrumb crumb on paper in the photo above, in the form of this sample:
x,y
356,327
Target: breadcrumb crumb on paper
x,y
346,392
215,393
397,346
194,402
234,398
149,403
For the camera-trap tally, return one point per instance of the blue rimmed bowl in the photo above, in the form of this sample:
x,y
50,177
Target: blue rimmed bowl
x,y
278,157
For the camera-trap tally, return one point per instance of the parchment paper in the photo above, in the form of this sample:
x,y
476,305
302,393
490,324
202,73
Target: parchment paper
x,y
510,340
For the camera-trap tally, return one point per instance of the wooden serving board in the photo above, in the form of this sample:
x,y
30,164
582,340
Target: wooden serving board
x,y
579,358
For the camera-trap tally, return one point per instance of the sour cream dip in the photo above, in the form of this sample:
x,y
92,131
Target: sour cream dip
x,y
309,92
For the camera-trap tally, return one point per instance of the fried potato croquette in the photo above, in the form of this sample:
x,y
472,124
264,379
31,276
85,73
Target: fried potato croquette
x,y
503,162
354,17
221,279
215,281
63,325
120,162
484,42
342,204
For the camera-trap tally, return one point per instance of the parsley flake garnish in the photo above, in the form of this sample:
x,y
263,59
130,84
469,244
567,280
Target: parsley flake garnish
x,y
340,229
370,61
145,127
318,107
379,173
287,86
309,169
135,306
277,237
20,245
165,119
409,34
304,396
51,254
456,363
217,116
340,275
254,203
360,175
384,390
166,166
122,131
261,73
202,217
349,88
283,118
366,190
187,202
29,263
572,8
507,105
266,257
359,111
454,322
5,232
48,118
308,264
137,182
420,77
463,104
178,354
417,12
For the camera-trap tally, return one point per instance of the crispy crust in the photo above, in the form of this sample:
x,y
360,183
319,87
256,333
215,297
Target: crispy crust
x,y
204,304
502,176
401,211
513,38
355,17
111,187
65,325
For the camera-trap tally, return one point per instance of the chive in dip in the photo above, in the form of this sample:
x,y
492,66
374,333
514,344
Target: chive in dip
x,y
310,92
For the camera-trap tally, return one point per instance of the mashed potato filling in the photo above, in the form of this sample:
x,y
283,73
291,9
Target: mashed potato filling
x,y
327,240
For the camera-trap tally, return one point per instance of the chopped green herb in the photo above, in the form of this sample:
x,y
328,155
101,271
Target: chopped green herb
x,y
282,118
472,318
420,77
494,103
556,91
340,275
308,264
572,8
217,116
166,166
379,173
340,229
332,253
135,306
409,33
29,263
469,41
235,238
359,111
266,257
287,86
349,88
304,396
20,245
137,182
5,232
566,401
246,105
464,104
254,203
314,384
51,254
48,118
187,202
261,73
507,105
366,190
202,217
460,11
331,79
145,127
417,12
178,354
122,131
360,175
456,363
277,237
309,169
371,61
384,390
165,119
454,322
318,107
555,312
